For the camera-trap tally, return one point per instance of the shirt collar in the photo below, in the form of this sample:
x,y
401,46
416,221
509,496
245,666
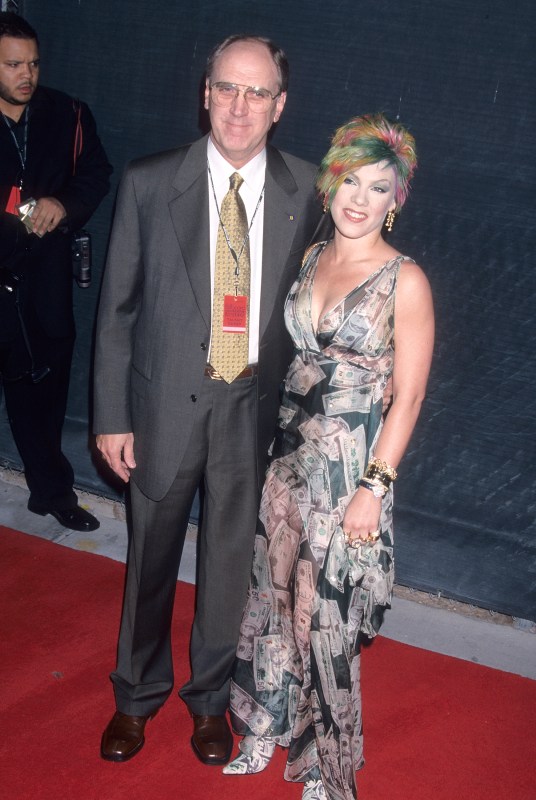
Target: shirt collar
x,y
253,172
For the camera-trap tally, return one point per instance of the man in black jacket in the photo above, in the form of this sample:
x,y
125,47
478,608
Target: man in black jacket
x,y
49,152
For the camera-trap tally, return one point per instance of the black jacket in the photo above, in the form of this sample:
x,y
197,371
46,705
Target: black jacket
x,y
45,264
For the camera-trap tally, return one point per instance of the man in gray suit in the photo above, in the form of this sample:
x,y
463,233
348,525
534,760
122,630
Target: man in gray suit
x,y
165,419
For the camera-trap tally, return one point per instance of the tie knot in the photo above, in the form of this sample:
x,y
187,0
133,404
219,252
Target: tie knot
x,y
236,181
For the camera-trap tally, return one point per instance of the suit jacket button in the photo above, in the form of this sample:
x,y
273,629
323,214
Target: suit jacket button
x,y
193,398
203,346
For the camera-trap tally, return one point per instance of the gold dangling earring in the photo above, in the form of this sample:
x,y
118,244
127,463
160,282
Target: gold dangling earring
x,y
325,203
389,220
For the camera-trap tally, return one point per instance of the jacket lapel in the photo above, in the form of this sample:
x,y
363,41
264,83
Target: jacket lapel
x,y
280,225
189,214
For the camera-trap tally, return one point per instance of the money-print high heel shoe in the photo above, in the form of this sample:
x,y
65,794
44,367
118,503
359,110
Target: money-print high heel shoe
x,y
255,755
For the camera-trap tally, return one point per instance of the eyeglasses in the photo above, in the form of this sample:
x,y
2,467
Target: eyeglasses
x,y
257,99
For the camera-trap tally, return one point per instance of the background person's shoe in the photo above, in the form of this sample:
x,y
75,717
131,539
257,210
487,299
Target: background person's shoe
x,y
76,519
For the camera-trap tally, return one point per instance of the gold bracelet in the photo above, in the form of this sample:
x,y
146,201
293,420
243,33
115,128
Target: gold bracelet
x,y
374,474
382,468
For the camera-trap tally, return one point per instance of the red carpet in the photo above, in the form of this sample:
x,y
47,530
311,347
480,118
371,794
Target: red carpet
x,y
437,728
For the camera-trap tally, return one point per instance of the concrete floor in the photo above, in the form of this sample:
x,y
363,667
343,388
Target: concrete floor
x,y
442,626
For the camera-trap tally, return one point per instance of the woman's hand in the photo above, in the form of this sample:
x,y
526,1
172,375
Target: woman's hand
x,y
362,518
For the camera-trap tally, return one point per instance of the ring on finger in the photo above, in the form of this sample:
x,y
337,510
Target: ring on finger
x,y
350,541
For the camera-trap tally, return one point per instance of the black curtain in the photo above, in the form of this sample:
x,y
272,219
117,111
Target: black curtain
x,y
461,77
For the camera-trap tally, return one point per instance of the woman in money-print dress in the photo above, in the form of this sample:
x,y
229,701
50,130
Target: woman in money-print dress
x,y
359,313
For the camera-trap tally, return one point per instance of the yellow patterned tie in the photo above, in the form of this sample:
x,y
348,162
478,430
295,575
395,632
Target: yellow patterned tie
x,y
229,351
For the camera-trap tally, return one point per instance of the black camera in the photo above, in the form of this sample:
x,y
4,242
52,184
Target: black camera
x,y
81,258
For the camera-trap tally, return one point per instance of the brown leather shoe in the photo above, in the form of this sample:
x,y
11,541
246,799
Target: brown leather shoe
x,y
123,737
212,741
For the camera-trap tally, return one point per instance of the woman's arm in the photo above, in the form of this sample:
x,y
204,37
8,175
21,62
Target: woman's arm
x,y
414,341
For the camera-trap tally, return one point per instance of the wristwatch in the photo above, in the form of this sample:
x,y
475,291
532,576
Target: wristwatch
x,y
377,489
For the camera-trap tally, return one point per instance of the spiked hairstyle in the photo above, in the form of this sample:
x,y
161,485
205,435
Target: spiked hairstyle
x,y
367,140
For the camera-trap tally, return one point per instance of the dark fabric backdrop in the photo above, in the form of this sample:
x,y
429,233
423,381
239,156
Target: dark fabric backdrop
x,y
461,77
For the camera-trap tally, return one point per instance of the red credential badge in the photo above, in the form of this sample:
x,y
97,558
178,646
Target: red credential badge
x,y
235,313
13,201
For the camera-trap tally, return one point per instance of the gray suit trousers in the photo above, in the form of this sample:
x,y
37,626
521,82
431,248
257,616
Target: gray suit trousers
x,y
221,455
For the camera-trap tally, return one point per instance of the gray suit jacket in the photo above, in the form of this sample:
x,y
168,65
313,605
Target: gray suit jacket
x,y
154,316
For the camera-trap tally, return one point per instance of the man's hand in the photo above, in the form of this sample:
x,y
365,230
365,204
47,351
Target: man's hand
x,y
118,451
47,215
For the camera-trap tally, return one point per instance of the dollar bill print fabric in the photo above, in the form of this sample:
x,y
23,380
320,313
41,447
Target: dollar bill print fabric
x,y
311,600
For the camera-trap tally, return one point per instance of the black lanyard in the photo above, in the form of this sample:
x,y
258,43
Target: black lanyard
x,y
22,148
234,254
